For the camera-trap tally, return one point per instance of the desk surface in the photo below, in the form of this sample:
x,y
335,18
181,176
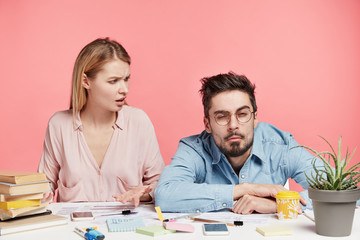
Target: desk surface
x,y
302,227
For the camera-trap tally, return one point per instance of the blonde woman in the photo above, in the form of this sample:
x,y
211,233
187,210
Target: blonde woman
x,y
101,149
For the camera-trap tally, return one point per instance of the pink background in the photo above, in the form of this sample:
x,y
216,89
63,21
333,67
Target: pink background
x,y
303,56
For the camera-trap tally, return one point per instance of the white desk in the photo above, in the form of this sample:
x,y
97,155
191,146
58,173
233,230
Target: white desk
x,y
302,227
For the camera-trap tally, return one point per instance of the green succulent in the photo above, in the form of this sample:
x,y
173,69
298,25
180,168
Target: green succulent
x,y
337,178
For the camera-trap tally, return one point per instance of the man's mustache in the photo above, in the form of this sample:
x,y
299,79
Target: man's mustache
x,y
233,134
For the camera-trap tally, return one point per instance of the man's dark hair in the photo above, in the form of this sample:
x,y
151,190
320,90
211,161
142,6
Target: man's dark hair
x,y
225,82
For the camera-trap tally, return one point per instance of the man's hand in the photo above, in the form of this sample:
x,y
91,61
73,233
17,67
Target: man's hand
x,y
248,204
259,190
135,195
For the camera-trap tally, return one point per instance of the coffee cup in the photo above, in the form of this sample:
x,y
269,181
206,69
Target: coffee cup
x,y
288,204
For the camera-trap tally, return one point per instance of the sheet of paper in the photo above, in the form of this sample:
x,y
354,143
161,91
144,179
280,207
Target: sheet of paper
x,y
228,216
97,208
102,211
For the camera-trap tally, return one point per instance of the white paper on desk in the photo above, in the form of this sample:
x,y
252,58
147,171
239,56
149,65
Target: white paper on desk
x,y
97,208
309,214
228,216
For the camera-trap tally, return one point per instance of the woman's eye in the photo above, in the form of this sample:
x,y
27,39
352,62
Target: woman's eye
x,y
112,81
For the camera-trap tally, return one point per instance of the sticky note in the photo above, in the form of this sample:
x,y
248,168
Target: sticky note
x,y
275,230
182,227
159,213
154,230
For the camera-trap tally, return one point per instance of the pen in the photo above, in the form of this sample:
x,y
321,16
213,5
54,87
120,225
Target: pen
x,y
212,221
125,212
80,231
308,216
89,234
182,216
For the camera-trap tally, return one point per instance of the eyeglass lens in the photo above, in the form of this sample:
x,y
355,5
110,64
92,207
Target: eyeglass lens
x,y
242,115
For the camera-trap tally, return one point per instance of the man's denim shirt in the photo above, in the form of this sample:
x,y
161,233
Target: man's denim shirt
x,y
200,178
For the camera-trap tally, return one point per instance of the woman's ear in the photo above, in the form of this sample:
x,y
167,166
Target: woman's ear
x,y
85,82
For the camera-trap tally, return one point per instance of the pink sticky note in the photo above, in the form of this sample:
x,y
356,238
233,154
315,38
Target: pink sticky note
x,y
182,227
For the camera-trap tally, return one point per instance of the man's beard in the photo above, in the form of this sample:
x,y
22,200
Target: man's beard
x,y
235,149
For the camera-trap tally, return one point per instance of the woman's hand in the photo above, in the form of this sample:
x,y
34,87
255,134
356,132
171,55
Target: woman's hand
x,y
135,195
47,197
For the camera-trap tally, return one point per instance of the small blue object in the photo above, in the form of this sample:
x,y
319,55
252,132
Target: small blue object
x,y
93,234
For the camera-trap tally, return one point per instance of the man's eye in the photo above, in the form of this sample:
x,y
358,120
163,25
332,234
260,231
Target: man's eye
x,y
221,116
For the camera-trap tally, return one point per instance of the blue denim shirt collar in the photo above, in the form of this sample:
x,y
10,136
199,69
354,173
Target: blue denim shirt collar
x,y
211,147
257,148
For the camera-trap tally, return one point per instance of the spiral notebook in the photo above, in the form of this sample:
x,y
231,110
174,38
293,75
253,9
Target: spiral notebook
x,y
124,224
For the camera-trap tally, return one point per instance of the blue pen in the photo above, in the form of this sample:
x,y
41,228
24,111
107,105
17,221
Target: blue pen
x,y
90,234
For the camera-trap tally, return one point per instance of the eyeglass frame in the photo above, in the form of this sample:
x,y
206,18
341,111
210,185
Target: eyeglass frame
x,y
234,113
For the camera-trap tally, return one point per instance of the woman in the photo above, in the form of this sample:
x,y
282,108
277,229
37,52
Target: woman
x,y
101,149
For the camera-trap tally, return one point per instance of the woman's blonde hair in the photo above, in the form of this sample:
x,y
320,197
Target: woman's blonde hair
x,y
90,61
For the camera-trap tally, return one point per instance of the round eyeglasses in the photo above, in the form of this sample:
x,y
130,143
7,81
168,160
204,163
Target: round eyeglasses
x,y
242,115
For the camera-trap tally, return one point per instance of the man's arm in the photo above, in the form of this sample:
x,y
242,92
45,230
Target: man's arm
x,y
257,189
182,186
248,204
256,197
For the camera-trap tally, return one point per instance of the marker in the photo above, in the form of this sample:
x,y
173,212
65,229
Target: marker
x,y
211,221
125,212
93,234
182,216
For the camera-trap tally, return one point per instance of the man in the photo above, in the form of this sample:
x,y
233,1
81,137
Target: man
x,y
237,162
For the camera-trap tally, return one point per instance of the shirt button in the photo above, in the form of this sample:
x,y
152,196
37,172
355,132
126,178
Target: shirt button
x,y
224,204
242,176
197,210
99,172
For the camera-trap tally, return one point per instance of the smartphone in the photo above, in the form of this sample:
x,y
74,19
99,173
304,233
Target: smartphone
x,y
81,216
214,229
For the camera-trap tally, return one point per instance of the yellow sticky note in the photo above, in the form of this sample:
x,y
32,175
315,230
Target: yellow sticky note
x,y
159,213
277,230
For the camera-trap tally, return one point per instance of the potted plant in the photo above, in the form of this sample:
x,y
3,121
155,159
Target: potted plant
x,y
333,191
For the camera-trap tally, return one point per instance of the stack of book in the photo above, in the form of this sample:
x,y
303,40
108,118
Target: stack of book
x,y
21,193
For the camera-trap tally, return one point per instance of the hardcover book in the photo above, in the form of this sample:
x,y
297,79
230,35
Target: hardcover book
x,y
20,204
8,198
17,177
11,213
31,223
24,188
